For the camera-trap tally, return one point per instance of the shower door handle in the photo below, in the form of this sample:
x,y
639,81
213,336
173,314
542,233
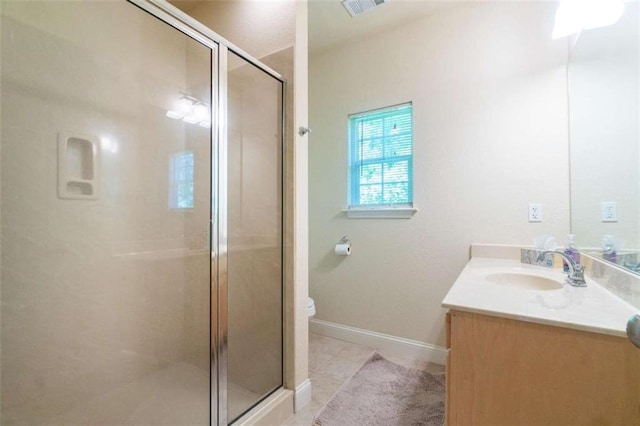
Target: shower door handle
x,y
633,330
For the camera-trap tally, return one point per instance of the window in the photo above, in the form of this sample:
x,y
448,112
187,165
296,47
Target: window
x,y
181,180
381,160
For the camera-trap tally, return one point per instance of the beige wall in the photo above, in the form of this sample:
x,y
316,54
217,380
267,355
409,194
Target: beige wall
x,y
488,87
298,374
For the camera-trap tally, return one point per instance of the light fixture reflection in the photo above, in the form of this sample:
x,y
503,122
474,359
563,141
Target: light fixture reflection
x,y
191,110
174,114
574,16
109,145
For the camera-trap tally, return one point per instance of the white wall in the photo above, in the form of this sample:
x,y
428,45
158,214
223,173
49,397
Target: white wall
x,y
488,87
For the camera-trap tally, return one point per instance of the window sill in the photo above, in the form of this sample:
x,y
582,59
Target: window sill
x,y
381,213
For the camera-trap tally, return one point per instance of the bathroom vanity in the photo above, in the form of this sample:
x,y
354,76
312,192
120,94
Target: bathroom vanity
x,y
526,351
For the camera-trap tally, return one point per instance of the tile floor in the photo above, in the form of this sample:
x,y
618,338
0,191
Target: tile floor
x,y
331,363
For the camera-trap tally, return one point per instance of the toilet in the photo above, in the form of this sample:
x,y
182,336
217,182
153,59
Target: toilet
x,y
311,307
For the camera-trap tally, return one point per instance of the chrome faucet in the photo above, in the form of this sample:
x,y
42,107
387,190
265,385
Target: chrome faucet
x,y
576,270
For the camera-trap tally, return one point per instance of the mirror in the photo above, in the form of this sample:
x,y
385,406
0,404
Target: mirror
x,y
604,97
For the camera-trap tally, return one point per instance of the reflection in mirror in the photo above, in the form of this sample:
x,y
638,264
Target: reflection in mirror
x,y
603,78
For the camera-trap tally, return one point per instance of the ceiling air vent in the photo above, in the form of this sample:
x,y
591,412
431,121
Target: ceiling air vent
x,y
356,7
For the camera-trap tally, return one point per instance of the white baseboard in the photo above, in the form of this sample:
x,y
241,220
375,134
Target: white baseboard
x,y
392,345
302,395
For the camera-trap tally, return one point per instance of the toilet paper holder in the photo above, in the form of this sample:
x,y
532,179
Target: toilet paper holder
x,y
343,248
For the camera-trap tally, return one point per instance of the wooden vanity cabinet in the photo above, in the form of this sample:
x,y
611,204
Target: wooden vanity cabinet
x,y
509,372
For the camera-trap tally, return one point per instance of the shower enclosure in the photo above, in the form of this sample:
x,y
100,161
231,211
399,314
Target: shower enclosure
x,y
141,211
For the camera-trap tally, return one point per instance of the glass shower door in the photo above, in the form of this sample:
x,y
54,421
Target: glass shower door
x,y
105,196
254,235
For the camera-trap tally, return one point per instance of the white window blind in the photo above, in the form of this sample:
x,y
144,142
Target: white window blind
x,y
381,158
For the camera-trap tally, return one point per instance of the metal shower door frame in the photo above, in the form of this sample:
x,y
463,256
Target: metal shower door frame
x,y
218,223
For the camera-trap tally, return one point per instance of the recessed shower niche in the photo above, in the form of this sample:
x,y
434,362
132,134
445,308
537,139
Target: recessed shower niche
x,y
78,161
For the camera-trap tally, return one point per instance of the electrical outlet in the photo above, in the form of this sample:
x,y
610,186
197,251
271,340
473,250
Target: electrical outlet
x,y
535,212
609,211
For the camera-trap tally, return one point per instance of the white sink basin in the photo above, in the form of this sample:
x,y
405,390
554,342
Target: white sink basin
x,y
524,281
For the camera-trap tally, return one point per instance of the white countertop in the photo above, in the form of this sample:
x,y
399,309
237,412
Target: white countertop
x,y
590,308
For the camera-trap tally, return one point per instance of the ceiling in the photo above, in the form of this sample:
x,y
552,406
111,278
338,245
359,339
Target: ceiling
x,y
330,25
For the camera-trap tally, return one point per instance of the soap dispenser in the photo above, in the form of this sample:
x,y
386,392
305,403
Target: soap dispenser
x,y
571,251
